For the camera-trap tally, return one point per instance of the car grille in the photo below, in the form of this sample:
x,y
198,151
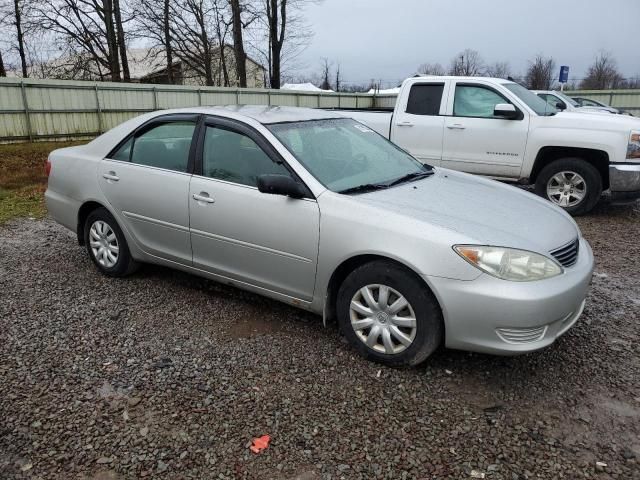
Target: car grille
x,y
567,255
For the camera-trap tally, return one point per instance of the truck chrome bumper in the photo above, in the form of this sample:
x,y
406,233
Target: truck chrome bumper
x,y
624,181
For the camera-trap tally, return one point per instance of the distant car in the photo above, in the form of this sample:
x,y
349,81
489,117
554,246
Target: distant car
x,y
321,212
562,102
588,102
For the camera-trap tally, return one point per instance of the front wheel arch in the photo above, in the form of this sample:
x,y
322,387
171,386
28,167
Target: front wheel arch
x,y
341,272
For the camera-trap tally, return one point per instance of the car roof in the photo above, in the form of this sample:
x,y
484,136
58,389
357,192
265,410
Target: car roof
x,y
458,77
265,114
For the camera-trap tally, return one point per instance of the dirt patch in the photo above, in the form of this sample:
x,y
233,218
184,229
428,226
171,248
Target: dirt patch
x,y
23,178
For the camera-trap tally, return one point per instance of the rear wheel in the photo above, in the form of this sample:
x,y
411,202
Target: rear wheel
x,y
389,315
107,245
571,183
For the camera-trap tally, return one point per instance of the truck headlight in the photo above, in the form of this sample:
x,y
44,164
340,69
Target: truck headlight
x,y
508,263
633,148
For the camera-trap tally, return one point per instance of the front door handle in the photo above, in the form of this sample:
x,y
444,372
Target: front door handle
x,y
404,124
203,197
456,126
111,176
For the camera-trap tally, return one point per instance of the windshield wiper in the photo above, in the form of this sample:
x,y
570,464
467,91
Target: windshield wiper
x,y
411,176
367,187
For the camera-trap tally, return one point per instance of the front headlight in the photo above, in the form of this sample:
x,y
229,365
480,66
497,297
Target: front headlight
x,y
509,263
633,148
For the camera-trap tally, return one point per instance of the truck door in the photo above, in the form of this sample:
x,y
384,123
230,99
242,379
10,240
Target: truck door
x,y
418,121
477,141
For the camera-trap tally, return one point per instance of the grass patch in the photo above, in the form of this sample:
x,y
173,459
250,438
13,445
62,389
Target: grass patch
x,y
23,179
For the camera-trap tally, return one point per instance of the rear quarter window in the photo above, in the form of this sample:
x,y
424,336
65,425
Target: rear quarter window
x,y
425,99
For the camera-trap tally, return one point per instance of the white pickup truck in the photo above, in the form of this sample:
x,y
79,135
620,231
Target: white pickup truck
x,y
498,128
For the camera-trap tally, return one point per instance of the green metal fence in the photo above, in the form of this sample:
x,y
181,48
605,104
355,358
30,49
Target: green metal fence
x,y
33,110
56,109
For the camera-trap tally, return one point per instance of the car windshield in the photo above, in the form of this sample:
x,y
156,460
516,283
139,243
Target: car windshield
x,y
566,99
347,156
533,101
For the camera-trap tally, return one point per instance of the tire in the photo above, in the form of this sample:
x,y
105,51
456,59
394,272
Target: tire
x,y
570,169
103,238
425,338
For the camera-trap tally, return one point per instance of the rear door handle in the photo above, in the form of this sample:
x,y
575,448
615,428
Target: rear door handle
x,y
111,176
203,197
456,126
404,124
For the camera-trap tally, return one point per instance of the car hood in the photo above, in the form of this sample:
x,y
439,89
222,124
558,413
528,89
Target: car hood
x,y
587,120
482,211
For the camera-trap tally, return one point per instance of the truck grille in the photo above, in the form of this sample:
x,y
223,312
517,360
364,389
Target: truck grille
x,y
567,255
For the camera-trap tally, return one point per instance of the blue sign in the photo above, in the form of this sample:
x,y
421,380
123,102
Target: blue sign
x,y
564,74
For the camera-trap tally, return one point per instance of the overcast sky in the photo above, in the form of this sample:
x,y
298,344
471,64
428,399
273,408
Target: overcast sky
x,y
388,39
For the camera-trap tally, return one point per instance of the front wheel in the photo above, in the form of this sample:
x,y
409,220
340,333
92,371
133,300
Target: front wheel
x,y
571,183
389,315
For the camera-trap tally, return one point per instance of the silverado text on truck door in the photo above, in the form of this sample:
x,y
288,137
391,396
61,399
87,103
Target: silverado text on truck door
x,y
498,128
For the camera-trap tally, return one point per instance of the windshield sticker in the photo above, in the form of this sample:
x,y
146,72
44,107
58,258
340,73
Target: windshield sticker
x,y
362,128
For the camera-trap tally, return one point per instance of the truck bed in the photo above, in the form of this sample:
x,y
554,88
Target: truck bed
x,y
378,120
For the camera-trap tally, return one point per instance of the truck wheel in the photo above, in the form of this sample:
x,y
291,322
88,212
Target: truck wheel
x,y
388,315
571,183
106,244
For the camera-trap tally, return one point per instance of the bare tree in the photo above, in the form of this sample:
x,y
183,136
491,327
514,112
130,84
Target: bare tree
x,y
86,33
467,64
17,5
431,69
3,72
221,28
325,74
238,43
541,73
153,22
283,37
603,74
276,11
120,36
12,13
498,70
338,78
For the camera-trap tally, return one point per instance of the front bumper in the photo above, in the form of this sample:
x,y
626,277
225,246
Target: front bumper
x,y
495,316
624,181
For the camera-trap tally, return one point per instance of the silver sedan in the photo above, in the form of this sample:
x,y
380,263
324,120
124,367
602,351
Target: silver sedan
x,y
324,214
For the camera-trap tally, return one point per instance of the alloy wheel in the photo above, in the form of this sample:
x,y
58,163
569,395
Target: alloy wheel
x,y
566,189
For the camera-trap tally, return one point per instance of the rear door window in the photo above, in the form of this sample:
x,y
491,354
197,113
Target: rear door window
x,y
425,99
166,146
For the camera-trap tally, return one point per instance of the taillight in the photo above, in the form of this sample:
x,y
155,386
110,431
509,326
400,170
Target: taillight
x,y
47,167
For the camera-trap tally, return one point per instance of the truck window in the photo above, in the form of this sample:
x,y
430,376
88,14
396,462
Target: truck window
x,y
425,99
476,101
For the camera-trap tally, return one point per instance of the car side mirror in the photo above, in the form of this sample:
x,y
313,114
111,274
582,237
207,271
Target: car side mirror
x,y
280,185
506,110
561,106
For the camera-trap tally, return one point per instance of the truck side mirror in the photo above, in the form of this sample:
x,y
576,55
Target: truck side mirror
x,y
561,106
506,110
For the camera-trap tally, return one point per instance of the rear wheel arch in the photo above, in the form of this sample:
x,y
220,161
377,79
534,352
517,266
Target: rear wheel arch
x,y
597,158
83,213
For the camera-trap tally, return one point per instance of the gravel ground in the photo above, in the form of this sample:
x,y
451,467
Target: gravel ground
x,y
167,375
